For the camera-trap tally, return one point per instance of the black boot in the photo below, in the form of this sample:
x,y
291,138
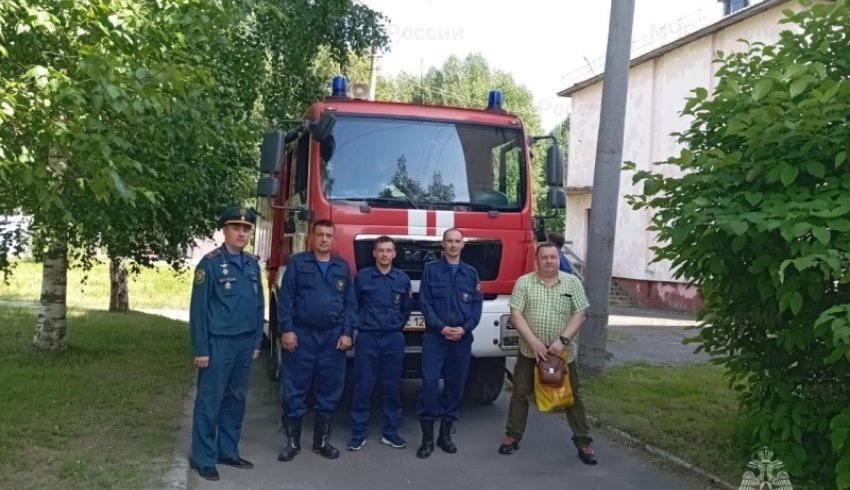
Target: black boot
x,y
292,443
322,436
427,447
445,438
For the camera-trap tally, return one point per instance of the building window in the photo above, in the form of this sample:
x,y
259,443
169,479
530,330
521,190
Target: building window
x,y
732,6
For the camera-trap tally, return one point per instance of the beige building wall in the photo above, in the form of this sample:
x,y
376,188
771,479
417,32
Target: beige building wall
x,y
657,91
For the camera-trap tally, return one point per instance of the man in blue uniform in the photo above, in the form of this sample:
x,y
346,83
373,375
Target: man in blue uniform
x,y
563,262
384,299
451,300
226,327
317,312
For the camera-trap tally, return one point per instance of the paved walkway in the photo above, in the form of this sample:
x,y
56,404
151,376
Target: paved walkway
x,y
651,336
546,459
546,454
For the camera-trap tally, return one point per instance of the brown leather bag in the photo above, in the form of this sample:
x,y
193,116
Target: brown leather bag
x,y
551,371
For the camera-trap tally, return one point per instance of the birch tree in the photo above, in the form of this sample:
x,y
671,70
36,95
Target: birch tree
x,y
129,124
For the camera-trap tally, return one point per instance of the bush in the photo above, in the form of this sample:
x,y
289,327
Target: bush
x,y
759,219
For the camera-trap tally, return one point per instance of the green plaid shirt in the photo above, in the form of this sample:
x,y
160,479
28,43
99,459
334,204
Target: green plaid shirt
x,y
547,308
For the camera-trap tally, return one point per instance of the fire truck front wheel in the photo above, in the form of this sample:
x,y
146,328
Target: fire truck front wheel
x,y
485,381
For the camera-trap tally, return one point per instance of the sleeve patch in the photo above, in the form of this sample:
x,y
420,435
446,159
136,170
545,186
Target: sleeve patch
x,y
200,276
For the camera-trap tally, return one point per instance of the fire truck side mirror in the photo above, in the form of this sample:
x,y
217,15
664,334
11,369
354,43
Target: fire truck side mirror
x,y
554,166
289,225
323,127
556,198
267,187
540,229
271,152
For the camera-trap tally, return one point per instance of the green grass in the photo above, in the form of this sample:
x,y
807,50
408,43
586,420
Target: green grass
x,y
159,288
104,413
687,410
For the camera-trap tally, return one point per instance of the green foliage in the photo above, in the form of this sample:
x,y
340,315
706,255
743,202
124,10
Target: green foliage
x,y
759,219
130,124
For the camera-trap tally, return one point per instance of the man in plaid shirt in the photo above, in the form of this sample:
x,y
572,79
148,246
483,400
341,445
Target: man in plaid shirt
x,y
547,309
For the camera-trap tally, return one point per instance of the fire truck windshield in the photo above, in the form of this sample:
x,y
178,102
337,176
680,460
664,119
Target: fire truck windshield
x,y
408,163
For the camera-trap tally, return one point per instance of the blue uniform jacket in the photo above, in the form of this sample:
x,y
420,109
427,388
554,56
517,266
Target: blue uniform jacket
x,y
384,301
226,300
308,299
450,301
564,263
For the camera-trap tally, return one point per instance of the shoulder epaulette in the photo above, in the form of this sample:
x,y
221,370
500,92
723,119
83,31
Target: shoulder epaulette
x,y
213,253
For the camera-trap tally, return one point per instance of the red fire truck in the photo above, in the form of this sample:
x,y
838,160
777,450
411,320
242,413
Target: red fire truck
x,y
410,171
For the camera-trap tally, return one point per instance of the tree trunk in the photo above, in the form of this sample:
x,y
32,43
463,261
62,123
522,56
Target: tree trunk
x,y
119,299
50,328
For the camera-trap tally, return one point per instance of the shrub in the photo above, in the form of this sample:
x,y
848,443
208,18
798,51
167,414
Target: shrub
x,y
759,219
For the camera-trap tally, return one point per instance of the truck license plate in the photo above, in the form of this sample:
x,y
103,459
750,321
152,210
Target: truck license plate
x,y
415,322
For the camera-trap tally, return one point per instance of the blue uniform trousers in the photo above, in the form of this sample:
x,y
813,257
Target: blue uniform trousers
x,y
318,363
378,358
220,402
451,359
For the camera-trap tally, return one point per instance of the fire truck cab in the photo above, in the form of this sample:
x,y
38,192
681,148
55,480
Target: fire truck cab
x,y
410,171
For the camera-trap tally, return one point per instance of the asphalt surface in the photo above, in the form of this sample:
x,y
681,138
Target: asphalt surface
x,y
647,336
546,459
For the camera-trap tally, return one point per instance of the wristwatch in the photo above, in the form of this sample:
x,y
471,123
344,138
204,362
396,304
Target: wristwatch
x,y
564,340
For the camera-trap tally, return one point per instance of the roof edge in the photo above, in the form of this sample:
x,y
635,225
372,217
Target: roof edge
x,y
700,33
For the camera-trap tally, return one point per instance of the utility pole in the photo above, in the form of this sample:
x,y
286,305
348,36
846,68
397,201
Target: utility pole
x,y
373,72
606,187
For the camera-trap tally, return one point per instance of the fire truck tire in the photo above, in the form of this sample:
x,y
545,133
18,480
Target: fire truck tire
x,y
485,381
273,361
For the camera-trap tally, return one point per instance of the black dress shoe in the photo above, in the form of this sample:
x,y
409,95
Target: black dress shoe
x,y
236,462
208,472
509,446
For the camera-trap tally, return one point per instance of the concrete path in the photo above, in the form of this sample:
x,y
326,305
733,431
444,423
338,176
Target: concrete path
x,y
651,336
546,460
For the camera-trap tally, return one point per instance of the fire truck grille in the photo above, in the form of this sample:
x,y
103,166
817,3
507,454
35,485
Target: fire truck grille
x,y
412,254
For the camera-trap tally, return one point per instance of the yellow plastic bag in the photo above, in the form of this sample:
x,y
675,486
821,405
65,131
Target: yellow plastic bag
x,y
550,398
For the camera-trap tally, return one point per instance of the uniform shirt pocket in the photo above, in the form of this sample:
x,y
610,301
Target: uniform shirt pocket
x,y
438,289
368,291
564,303
307,276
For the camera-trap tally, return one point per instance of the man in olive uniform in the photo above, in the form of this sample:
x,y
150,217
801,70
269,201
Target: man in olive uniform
x,y
317,312
226,328
451,301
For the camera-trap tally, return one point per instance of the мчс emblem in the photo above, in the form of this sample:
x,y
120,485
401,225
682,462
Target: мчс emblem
x,y
768,474
340,285
397,298
200,277
465,296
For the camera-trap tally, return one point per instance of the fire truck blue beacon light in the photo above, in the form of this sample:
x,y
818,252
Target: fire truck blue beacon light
x,y
338,86
494,99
